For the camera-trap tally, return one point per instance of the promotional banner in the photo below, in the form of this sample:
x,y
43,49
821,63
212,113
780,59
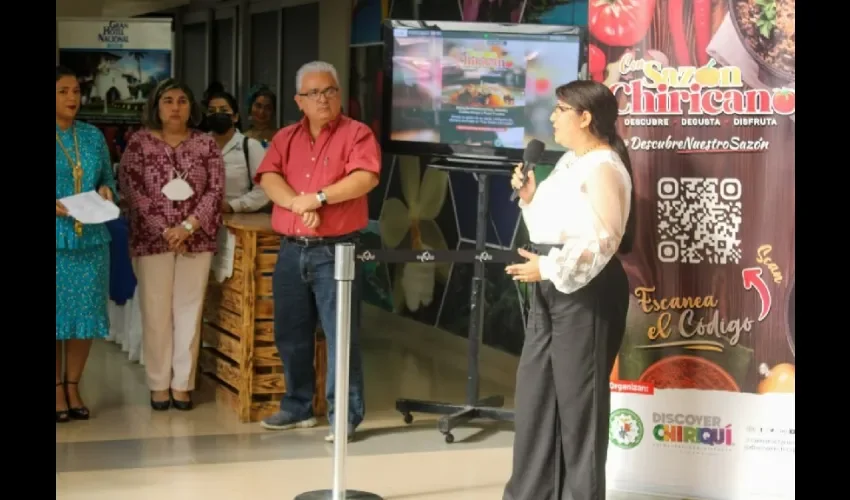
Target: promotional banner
x,y
118,63
703,388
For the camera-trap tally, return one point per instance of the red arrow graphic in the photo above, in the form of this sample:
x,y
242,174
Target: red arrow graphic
x,y
752,278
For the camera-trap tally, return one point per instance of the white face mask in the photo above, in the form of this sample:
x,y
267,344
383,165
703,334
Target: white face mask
x,y
177,189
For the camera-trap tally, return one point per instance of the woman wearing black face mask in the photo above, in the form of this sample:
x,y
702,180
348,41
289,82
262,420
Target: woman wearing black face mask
x,y
242,156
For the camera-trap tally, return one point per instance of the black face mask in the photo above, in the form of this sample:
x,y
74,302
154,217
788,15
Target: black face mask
x,y
220,123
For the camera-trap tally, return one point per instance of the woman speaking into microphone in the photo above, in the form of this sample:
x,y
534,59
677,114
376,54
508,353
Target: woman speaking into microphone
x,y
578,219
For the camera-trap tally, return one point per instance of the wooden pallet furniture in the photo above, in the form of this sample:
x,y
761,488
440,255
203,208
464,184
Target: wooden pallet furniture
x,y
238,355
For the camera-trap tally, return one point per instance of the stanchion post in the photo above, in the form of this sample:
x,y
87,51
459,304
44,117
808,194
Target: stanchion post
x,y
344,275
344,272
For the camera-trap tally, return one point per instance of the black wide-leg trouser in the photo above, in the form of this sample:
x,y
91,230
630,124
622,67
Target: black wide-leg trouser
x,y
562,402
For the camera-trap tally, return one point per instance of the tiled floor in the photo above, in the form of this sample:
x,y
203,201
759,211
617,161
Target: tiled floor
x,y
129,452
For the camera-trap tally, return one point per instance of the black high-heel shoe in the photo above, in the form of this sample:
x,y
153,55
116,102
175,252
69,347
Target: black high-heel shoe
x,y
81,413
160,405
62,416
182,405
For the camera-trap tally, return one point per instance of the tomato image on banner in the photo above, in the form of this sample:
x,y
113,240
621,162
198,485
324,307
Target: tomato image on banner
x,y
596,63
620,23
784,101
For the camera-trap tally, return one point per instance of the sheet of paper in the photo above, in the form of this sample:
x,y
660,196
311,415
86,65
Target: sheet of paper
x,y
90,208
222,265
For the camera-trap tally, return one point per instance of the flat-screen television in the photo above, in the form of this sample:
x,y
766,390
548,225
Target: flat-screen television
x,y
475,89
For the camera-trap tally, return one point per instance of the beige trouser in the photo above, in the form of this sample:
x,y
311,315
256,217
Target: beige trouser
x,y
171,293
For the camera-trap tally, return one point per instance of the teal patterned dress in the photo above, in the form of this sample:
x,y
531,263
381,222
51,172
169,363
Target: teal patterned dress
x,y
82,262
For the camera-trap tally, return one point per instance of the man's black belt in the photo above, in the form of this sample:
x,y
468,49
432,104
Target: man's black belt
x,y
315,241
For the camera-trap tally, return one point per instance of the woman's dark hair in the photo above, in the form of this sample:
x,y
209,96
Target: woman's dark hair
x,y
150,113
214,88
261,91
62,71
597,99
231,101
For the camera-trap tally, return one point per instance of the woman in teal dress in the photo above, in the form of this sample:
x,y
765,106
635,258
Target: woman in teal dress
x,y
82,252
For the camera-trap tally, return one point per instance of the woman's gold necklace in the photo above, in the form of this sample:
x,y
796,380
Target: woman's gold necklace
x,y
577,155
592,148
76,171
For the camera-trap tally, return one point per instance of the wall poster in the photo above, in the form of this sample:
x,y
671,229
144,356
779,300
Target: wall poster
x,y
703,388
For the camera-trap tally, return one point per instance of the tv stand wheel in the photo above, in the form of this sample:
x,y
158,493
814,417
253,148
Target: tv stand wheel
x,y
449,438
408,418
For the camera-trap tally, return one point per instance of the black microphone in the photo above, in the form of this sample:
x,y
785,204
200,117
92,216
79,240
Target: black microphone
x,y
530,157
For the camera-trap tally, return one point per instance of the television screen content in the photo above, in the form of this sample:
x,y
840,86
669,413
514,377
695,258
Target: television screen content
x,y
467,90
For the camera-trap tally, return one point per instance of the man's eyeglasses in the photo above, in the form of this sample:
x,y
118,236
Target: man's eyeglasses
x,y
314,94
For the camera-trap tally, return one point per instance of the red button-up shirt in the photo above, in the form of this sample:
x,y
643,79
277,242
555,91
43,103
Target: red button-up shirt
x,y
308,166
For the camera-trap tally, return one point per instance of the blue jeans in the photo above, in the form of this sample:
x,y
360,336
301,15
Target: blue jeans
x,y
304,292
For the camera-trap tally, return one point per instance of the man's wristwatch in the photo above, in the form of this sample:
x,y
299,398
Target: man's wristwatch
x,y
188,226
322,197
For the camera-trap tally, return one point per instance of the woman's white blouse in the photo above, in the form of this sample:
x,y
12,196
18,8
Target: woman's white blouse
x,y
582,207
238,189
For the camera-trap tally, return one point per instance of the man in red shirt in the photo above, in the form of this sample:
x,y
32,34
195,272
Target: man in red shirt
x,y
318,173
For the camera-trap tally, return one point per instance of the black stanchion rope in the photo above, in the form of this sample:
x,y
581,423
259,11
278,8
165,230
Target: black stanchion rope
x,y
488,256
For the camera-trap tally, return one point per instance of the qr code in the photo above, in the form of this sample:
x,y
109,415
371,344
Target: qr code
x,y
699,220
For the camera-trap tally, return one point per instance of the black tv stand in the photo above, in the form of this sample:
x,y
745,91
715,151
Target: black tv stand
x,y
475,407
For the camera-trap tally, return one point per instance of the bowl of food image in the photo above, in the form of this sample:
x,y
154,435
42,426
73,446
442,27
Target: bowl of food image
x,y
767,30
790,316
688,372
479,95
